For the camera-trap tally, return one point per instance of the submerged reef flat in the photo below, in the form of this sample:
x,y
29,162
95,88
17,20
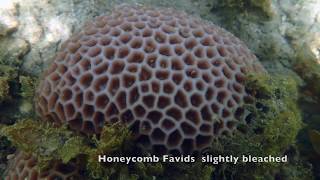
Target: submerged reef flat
x,y
149,78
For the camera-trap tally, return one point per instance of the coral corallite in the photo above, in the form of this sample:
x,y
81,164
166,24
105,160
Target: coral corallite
x,y
175,80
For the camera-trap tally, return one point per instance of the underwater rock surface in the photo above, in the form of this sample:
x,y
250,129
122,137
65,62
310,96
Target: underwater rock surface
x,y
282,26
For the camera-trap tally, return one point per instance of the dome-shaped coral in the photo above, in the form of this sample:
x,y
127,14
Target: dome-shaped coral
x,y
23,166
175,80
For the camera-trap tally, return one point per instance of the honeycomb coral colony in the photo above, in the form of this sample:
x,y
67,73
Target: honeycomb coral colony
x,y
176,81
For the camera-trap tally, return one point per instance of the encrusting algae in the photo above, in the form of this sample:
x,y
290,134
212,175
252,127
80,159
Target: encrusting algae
x,y
275,123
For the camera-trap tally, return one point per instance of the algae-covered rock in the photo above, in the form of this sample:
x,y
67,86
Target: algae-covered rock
x,y
8,24
273,29
273,125
290,24
308,68
27,86
4,89
12,50
262,9
46,24
46,142
8,20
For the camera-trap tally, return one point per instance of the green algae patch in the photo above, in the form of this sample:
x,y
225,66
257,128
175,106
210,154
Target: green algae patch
x,y
45,142
277,114
249,8
8,71
4,88
16,92
308,68
277,118
48,143
7,74
27,89
113,139
273,121
27,86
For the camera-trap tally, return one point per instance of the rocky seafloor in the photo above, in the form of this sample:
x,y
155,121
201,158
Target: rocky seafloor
x,y
284,35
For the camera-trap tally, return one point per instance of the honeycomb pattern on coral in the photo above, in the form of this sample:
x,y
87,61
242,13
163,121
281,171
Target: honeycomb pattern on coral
x,y
24,166
175,80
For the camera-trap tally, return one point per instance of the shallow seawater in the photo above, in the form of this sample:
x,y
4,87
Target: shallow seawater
x,y
146,89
